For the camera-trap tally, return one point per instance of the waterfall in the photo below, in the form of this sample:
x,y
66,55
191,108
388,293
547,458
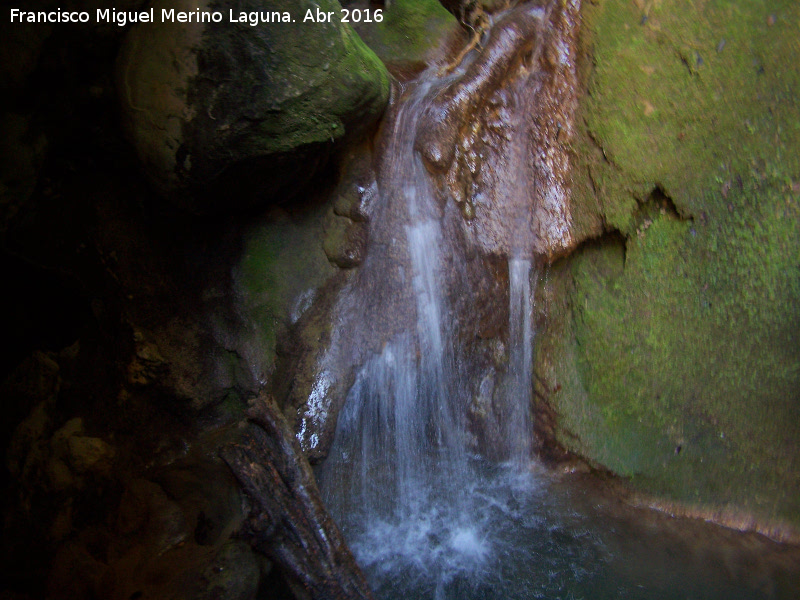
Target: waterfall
x,y
518,420
401,477
430,473
403,423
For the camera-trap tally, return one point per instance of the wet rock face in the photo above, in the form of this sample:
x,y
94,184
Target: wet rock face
x,y
492,136
670,350
248,110
498,139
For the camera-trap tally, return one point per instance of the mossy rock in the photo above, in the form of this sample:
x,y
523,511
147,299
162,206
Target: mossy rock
x,y
409,31
674,339
282,266
227,115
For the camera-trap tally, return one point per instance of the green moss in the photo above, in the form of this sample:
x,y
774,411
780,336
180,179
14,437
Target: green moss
x,y
409,31
305,93
679,355
694,92
232,407
282,263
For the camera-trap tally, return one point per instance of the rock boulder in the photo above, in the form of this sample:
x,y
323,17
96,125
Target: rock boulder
x,y
229,115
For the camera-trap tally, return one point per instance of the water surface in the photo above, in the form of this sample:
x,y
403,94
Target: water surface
x,y
512,534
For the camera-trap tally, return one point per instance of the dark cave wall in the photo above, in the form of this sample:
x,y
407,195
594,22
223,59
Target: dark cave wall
x,y
127,354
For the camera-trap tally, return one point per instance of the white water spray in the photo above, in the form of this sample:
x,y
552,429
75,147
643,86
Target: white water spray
x,y
401,474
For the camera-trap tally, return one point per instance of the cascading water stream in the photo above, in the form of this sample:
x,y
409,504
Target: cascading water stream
x,y
518,420
424,510
400,475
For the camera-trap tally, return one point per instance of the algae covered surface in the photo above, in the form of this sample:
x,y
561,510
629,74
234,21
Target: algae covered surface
x,y
672,355
314,92
408,31
280,271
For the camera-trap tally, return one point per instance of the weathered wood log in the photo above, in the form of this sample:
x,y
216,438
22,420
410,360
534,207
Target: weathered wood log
x,y
288,521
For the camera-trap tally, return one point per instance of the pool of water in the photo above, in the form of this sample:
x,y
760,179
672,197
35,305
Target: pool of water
x,y
526,534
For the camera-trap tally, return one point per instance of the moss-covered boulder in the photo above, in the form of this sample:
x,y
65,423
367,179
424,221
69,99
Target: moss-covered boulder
x,y
230,114
672,354
408,32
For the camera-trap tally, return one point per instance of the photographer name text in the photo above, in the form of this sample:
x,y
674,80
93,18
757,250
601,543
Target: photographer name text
x,y
252,19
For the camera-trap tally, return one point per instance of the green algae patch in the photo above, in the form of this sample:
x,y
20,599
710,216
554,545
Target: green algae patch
x,y
410,30
672,351
683,94
217,110
317,91
281,268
